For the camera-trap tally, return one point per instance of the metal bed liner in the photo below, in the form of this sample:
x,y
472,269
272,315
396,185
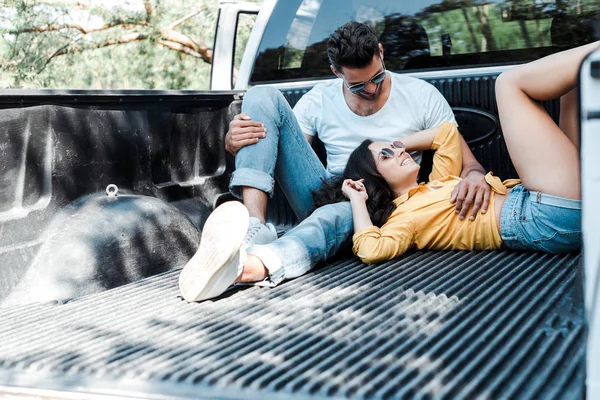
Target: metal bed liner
x,y
429,325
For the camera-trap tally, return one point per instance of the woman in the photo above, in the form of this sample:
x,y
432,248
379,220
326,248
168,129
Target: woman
x,y
542,211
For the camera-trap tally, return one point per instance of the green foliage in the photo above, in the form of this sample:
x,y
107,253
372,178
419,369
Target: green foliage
x,y
114,58
245,24
465,26
139,64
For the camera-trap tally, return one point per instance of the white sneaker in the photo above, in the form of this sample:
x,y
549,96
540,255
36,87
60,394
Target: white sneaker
x,y
259,233
221,255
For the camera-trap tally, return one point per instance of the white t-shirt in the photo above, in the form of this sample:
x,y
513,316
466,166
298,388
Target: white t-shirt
x,y
413,105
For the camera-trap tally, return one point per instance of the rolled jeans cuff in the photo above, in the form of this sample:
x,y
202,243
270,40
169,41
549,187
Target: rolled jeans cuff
x,y
271,261
253,178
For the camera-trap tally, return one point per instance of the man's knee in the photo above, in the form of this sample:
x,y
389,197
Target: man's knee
x,y
263,93
263,102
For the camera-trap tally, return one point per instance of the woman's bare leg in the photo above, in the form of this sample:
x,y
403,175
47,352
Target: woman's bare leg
x,y
545,158
568,116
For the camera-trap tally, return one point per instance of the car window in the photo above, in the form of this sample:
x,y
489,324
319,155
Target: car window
x,y
422,35
245,22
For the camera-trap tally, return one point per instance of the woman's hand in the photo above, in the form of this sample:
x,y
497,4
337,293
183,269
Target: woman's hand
x,y
355,190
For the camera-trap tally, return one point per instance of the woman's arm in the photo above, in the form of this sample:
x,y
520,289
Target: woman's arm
x,y
394,238
446,141
360,215
357,194
419,141
373,244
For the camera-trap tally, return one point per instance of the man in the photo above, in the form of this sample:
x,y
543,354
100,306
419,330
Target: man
x,y
271,141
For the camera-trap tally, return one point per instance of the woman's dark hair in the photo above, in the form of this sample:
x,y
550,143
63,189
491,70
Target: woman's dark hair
x,y
352,45
361,165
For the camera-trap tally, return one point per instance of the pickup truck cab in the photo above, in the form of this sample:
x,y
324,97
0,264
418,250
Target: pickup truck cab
x,y
104,194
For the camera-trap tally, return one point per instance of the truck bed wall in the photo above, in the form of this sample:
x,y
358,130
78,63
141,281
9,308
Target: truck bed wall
x,y
56,148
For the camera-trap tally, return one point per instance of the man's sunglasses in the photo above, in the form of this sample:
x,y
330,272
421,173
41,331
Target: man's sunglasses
x,y
376,79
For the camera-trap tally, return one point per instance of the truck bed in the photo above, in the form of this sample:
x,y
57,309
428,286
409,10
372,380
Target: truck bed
x,y
443,325
429,325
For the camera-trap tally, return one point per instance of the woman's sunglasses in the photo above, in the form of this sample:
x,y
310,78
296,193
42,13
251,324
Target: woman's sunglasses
x,y
376,79
389,153
396,144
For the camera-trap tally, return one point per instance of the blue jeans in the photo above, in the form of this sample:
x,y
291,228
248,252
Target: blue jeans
x,y
286,156
540,222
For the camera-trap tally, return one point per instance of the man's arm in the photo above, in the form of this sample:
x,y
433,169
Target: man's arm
x,y
243,131
473,190
306,111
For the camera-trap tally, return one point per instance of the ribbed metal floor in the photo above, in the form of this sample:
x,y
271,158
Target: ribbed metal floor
x,y
431,325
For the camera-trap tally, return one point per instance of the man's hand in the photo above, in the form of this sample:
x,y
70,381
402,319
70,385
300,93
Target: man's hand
x,y
242,132
474,191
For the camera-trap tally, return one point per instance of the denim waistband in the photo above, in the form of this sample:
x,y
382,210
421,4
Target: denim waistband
x,y
536,221
543,198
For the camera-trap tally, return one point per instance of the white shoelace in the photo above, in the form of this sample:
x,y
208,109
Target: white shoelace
x,y
251,233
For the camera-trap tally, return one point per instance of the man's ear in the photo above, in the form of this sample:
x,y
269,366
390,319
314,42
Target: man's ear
x,y
335,71
381,50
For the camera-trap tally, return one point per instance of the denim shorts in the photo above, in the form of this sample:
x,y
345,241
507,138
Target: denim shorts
x,y
540,222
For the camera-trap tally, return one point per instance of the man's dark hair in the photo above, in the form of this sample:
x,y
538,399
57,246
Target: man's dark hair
x,y
352,45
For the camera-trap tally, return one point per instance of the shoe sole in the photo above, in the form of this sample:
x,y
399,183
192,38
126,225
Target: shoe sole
x,y
213,268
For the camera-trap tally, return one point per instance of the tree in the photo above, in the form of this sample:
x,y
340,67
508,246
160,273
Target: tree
x,y
107,44
488,40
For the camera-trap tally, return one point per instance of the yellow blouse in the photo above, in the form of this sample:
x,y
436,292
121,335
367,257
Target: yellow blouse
x,y
425,218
